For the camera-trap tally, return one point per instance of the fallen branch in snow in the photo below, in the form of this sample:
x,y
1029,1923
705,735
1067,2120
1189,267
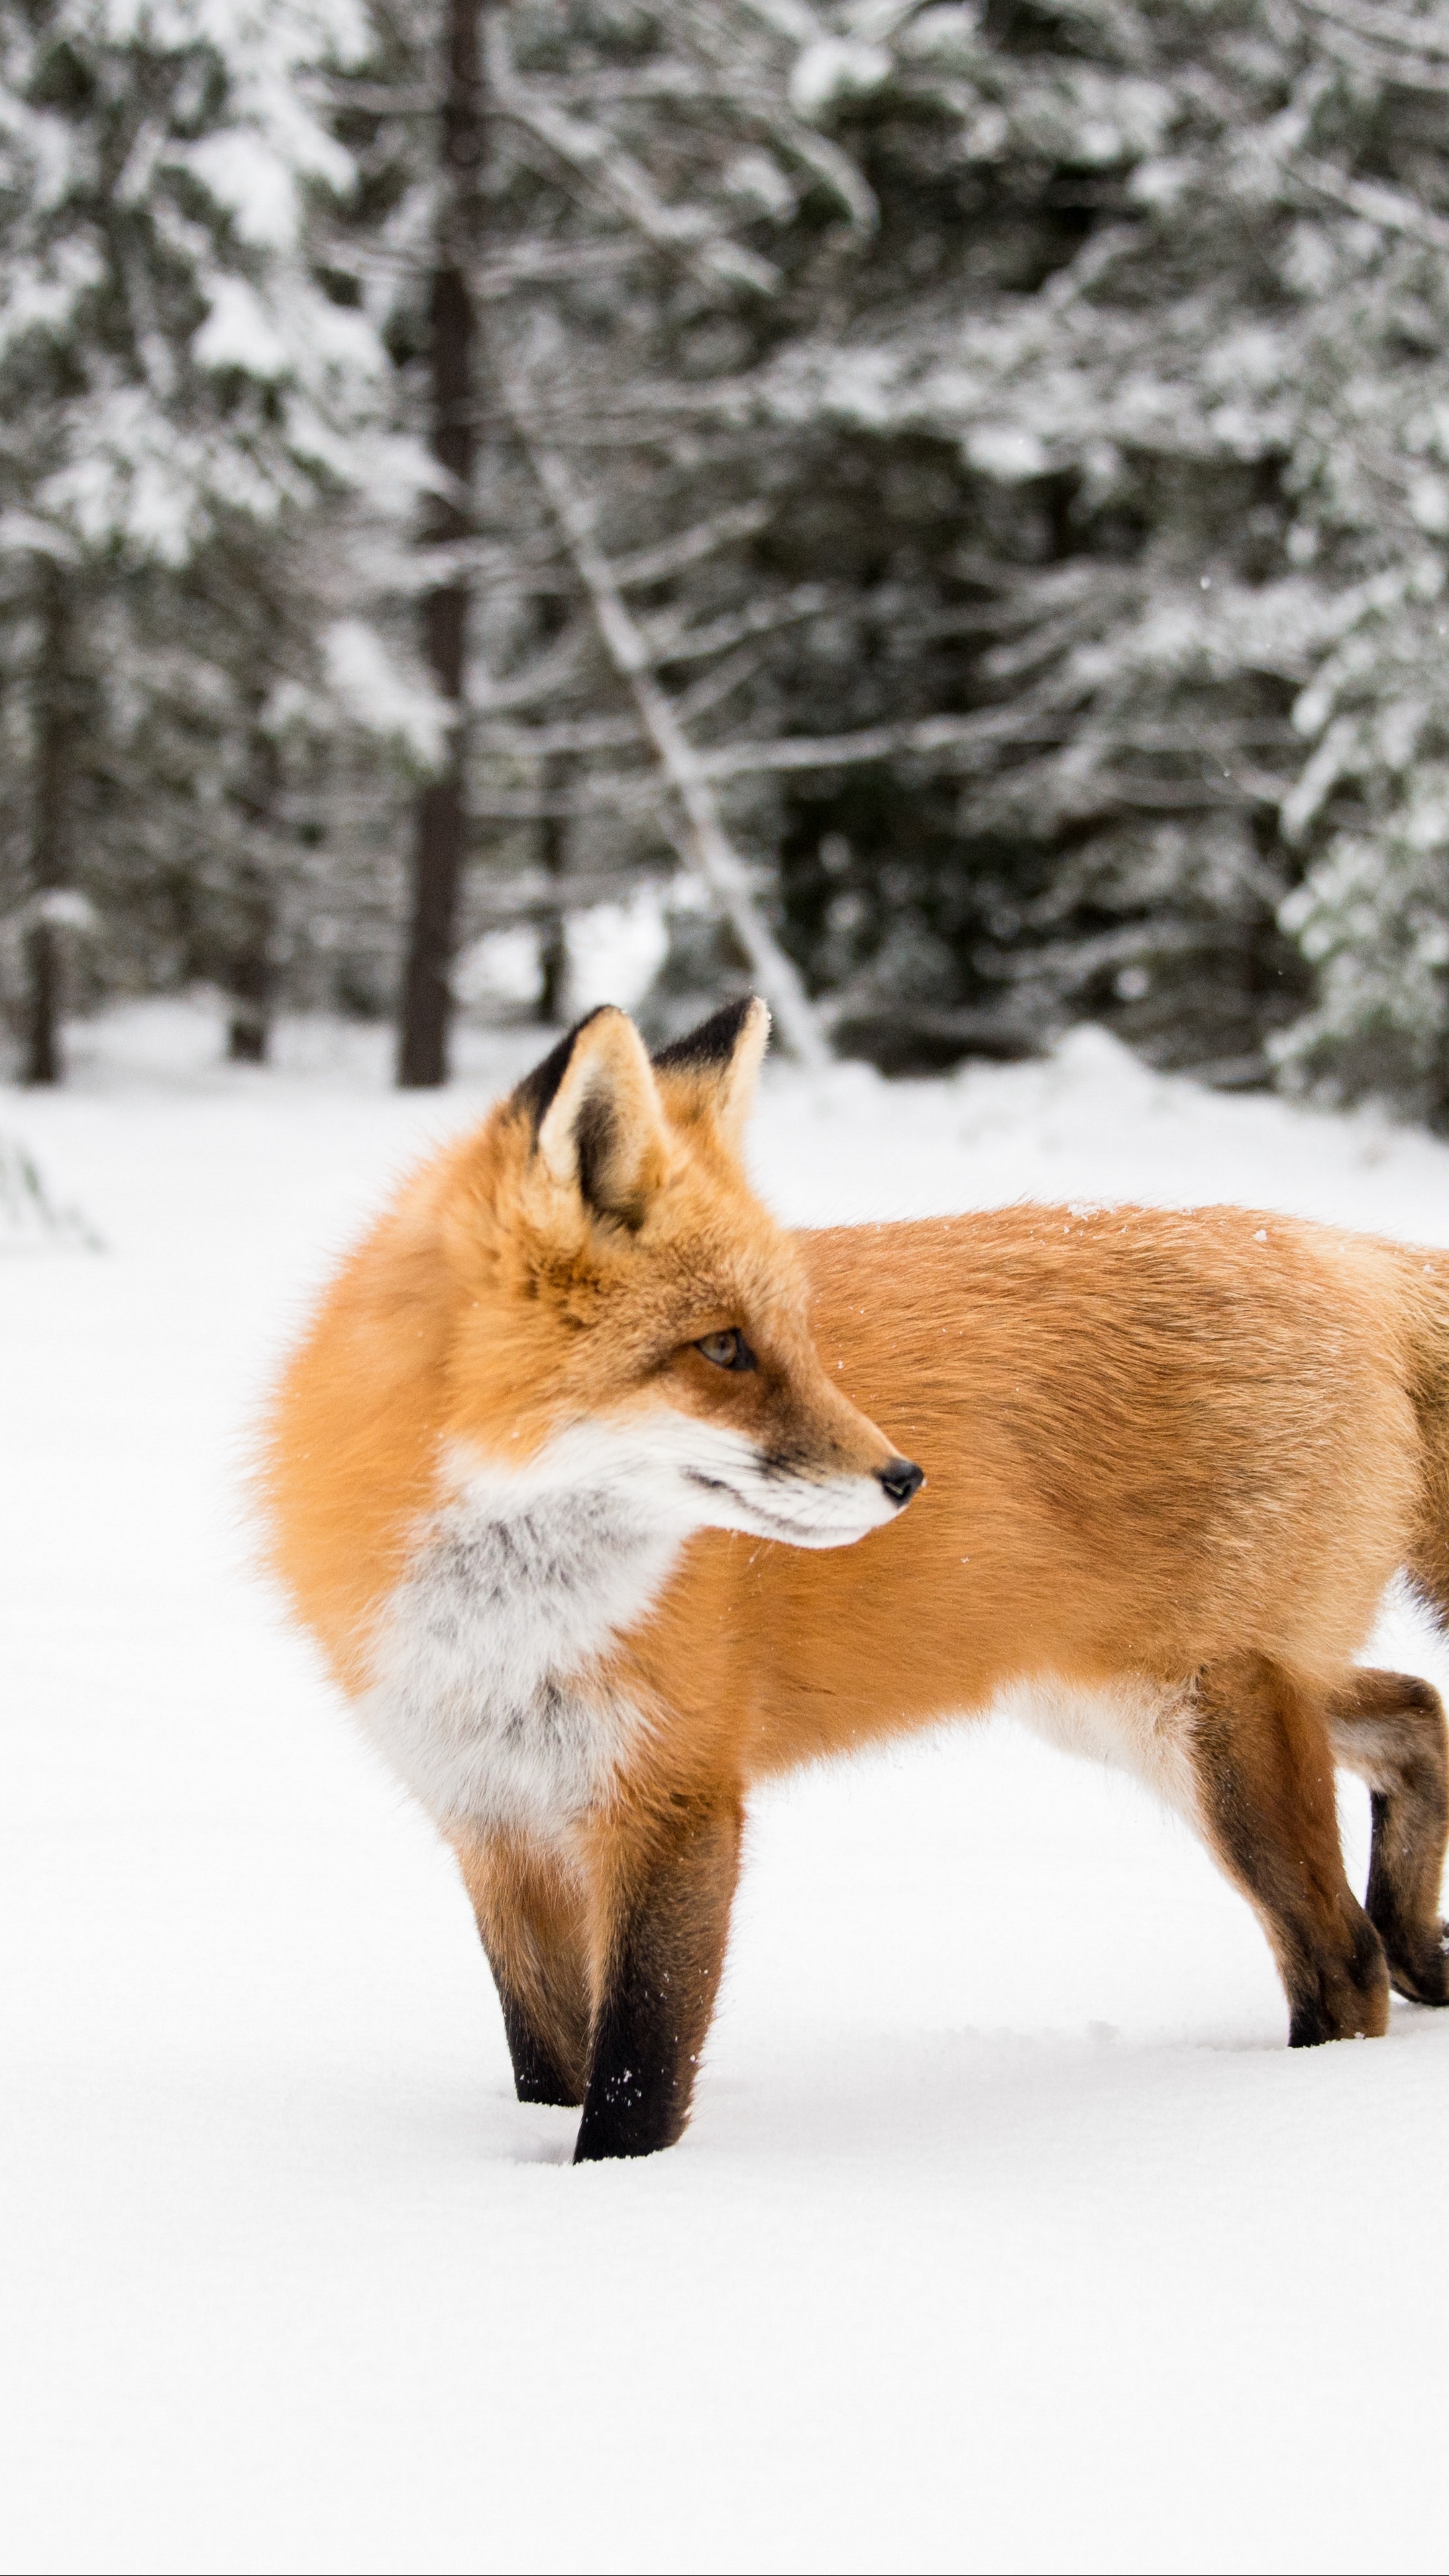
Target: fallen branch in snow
x,y
30,1220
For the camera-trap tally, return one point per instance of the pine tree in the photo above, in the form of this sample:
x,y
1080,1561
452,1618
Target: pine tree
x,y
177,393
1013,437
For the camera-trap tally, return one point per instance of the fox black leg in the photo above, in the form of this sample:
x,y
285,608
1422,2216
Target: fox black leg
x,y
651,2020
538,2075
1264,1773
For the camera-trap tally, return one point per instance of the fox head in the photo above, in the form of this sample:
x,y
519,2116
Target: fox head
x,y
629,1315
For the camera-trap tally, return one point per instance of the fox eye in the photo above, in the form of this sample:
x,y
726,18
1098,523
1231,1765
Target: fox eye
x,y
728,1350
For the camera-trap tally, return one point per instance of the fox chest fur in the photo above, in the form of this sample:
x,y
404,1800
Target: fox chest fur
x,y
491,1691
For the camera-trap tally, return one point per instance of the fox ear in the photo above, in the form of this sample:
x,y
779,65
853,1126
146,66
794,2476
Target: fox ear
x,y
597,1121
712,1072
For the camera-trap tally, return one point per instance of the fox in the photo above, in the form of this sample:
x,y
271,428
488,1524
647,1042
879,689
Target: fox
x,y
577,1481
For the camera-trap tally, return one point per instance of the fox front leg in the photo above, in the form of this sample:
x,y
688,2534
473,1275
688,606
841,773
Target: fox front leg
x,y
531,1920
659,1987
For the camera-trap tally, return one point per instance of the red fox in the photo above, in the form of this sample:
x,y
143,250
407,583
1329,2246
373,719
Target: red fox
x,y
571,1480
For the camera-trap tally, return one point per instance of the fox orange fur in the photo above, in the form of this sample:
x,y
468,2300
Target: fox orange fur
x,y
570,1480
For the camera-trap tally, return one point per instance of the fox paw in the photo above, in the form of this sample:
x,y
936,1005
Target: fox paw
x,y
1422,1973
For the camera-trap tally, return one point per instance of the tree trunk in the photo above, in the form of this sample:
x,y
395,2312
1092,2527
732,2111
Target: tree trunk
x,y
441,819
250,973
54,733
554,946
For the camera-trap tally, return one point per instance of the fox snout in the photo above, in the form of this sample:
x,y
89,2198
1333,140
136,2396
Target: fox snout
x,y
822,1465
901,1478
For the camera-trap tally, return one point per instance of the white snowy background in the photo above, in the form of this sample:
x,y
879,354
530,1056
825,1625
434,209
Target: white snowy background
x,y
1007,2234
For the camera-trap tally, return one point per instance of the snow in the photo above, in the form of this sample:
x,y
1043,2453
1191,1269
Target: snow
x,y
380,694
1007,2235
239,331
615,950
835,68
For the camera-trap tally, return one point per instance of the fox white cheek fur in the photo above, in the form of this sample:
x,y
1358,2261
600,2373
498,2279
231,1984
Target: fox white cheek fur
x,y
489,1692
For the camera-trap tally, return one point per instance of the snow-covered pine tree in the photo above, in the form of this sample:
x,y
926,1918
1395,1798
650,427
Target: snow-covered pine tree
x,y
1169,282
178,394
634,160
1011,450
1015,433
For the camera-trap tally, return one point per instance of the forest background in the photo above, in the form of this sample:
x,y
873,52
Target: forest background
x,y
939,512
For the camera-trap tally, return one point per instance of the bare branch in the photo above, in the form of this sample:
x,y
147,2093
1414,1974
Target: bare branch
x,y
728,398
378,98
655,563
540,742
534,263
541,679
830,164
846,750
713,687
669,643
1377,204
1379,25
708,844
761,102
607,84
684,231
988,731
609,733
1379,63
795,20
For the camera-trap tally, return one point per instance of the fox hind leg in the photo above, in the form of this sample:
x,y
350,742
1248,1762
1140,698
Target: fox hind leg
x,y
1389,1728
532,1920
1263,1769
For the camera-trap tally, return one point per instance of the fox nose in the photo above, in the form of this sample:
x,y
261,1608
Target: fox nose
x,y
901,1478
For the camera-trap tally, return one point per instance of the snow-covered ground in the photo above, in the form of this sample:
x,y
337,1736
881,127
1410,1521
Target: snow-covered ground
x,y
1007,2235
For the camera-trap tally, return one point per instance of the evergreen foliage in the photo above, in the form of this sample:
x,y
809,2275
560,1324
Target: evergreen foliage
x,y
179,400
1021,433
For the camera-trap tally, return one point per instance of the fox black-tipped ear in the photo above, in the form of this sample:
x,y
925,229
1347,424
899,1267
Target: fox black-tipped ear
x,y
595,1114
713,1071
